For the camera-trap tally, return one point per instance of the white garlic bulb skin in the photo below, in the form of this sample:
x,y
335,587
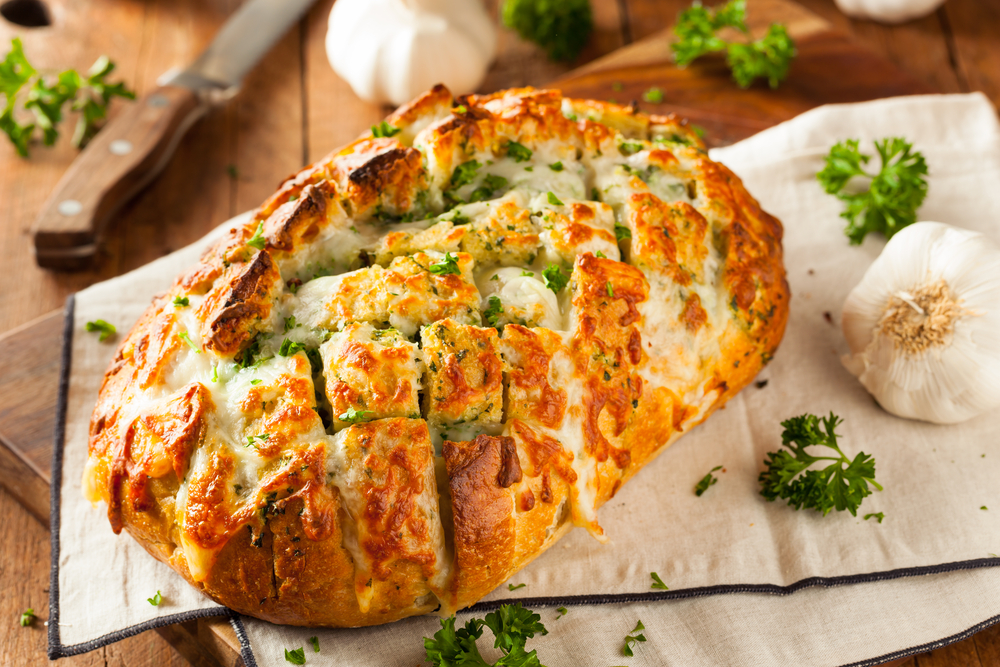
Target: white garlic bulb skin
x,y
952,373
393,50
888,11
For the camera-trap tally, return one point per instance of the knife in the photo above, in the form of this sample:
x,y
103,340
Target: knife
x,y
128,153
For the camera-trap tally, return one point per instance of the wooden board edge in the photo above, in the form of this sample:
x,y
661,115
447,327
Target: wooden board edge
x,y
186,640
219,638
22,480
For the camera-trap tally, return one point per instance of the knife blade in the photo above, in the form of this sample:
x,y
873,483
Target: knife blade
x,y
130,151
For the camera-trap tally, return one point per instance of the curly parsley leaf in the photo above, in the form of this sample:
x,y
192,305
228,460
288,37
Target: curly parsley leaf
x,y
706,481
45,98
894,194
156,599
622,232
554,278
384,129
106,329
512,626
28,617
632,638
447,265
769,57
788,475
296,656
553,200
657,582
561,27
315,644
181,302
878,516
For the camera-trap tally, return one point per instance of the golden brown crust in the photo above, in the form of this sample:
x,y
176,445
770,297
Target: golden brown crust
x,y
269,441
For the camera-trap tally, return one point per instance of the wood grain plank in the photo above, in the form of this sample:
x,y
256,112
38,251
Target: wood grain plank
x,y
974,25
25,183
959,654
522,63
333,113
194,192
24,571
919,47
988,645
269,124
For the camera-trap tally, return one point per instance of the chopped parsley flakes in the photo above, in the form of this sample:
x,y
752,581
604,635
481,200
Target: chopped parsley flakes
x,y
353,416
495,310
448,265
384,129
554,278
106,329
519,152
257,240
186,337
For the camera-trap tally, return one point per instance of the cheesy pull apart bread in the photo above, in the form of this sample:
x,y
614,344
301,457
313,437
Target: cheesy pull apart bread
x,y
432,353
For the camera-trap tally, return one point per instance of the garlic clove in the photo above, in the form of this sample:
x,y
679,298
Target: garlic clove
x,y
393,50
923,325
888,11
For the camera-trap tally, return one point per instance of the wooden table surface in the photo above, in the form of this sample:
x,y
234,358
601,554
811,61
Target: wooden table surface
x,y
293,110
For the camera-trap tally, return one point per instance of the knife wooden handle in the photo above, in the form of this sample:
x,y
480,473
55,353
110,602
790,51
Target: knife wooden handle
x,y
117,163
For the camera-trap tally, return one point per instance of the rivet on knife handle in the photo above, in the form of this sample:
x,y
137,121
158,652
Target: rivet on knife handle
x,y
118,162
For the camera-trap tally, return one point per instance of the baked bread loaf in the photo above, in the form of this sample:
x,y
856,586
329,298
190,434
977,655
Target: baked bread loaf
x,y
432,353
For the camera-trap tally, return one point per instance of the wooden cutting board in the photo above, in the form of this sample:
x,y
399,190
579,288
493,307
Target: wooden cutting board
x,y
830,68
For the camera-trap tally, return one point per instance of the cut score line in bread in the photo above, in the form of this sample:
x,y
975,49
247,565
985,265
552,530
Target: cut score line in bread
x,y
432,353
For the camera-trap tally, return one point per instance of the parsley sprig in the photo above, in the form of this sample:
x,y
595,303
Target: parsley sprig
x,y
512,626
45,97
835,487
893,195
769,57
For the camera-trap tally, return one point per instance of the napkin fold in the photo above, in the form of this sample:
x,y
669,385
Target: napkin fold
x,y
751,582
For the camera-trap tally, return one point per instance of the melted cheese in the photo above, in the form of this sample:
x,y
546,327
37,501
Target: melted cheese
x,y
524,298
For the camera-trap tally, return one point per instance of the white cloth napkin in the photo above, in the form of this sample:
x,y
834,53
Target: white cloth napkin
x,y
730,540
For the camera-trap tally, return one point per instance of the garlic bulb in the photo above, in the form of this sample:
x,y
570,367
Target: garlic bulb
x,y
923,324
393,50
888,11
